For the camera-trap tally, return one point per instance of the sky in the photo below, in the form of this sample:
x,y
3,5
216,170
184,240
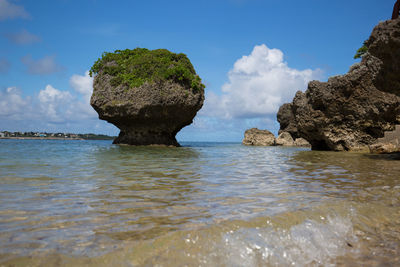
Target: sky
x,y
252,55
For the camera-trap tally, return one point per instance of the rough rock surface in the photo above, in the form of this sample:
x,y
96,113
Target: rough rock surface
x,y
284,139
301,142
149,114
388,144
256,137
351,111
384,148
287,120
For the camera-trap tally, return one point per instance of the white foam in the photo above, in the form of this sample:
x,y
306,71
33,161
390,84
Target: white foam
x,y
308,243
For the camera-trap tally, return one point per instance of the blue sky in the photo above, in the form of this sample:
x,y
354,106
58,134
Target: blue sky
x,y
253,55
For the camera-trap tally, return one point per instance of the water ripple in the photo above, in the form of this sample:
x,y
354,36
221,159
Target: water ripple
x,y
85,197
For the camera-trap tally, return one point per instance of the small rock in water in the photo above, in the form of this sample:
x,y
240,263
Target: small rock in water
x,y
384,148
256,137
284,139
301,142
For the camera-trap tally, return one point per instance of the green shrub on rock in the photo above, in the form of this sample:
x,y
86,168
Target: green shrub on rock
x,y
140,65
361,51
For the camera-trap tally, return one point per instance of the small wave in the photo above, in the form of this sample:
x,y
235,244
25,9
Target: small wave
x,y
304,244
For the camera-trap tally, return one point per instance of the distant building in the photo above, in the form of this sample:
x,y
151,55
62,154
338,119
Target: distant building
x,y
2,134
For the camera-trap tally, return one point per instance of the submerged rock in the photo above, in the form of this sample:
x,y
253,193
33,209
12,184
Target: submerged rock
x,y
351,111
256,137
149,95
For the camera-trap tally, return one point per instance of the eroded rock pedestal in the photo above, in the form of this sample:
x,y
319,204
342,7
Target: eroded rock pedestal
x,y
351,111
151,114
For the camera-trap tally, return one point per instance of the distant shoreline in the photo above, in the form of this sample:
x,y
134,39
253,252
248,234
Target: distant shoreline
x,y
45,138
50,138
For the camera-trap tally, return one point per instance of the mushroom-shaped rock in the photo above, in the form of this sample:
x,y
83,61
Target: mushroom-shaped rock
x,y
150,95
257,137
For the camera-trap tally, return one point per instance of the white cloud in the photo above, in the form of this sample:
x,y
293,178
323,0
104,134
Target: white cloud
x,y
9,10
46,65
53,103
12,103
258,84
83,84
50,95
52,109
4,65
23,37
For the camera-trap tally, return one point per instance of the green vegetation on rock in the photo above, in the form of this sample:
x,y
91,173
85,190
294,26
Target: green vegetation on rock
x,y
140,65
361,51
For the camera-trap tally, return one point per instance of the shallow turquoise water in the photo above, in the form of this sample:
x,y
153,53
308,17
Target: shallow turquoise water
x,y
90,202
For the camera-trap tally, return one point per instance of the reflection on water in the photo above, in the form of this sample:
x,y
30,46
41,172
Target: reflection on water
x,y
88,202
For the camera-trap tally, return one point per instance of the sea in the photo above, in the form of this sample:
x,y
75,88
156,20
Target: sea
x,y
91,203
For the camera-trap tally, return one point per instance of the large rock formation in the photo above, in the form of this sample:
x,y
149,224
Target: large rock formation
x,y
351,111
148,95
